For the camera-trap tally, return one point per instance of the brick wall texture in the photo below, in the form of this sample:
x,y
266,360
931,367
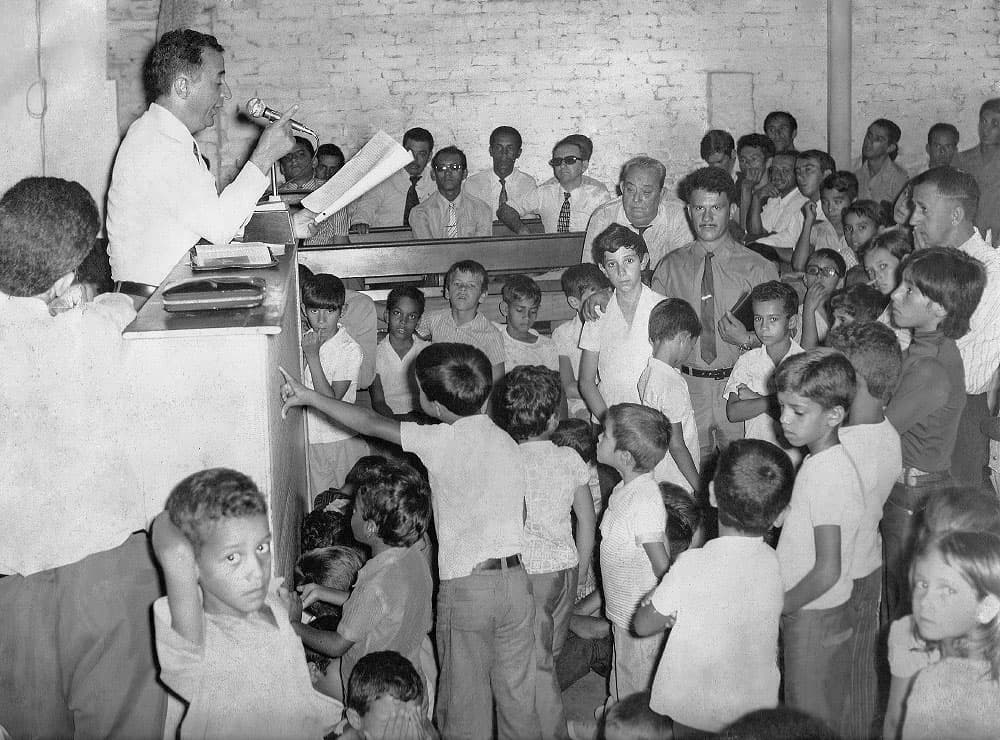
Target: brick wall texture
x,y
633,76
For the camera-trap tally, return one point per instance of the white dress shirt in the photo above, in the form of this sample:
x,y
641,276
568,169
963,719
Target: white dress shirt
x,y
980,347
384,204
667,232
782,217
485,185
547,200
163,199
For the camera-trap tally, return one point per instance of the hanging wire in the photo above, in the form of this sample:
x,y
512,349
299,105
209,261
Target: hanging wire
x,y
39,84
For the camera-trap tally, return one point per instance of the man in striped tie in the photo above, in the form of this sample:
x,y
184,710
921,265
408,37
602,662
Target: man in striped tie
x,y
564,201
451,213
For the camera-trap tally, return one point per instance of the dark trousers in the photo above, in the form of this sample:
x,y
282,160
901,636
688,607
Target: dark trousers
x,y
972,448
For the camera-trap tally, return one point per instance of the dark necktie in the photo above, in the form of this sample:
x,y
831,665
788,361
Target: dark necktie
x,y
412,199
503,192
564,214
642,230
708,353
194,148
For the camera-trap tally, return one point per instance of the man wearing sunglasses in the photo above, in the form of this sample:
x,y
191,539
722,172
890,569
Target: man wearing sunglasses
x,y
450,213
564,201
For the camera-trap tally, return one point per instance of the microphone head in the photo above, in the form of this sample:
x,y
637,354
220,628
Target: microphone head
x,y
255,107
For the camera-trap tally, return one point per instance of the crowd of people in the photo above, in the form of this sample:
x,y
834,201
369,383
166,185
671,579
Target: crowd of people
x,y
751,464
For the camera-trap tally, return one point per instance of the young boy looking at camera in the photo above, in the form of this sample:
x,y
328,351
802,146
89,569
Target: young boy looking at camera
x,y
722,602
816,548
485,609
223,637
837,191
333,361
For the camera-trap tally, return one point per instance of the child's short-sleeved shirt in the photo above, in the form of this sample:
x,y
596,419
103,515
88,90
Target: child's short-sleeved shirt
x,y
908,654
480,333
954,698
540,352
721,660
827,492
396,375
624,349
389,607
825,236
553,474
754,369
477,479
822,325
341,358
662,387
635,516
876,452
248,680
567,340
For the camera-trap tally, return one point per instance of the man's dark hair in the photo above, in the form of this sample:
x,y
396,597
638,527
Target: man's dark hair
x,y
324,291
578,278
330,150
458,376
397,500
419,134
581,142
873,350
951,278
775,290
753,483
952,183
782,114
205,497
505,131
449,150
307,144
893,133
578,434
177,52
943,128
670,317
47,228
528,397
825,161
379,674
757,141
717,141
711,180
843,182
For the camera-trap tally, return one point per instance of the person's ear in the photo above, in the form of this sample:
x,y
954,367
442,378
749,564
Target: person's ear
x,y
434,174
626,458
586,164
957,214
988,609
573,302
793,324
712,500
465,174
938,310
354,719
483,294
502,307
181,86
835,416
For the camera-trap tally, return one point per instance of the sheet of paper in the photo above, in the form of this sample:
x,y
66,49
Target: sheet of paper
x,y
377,161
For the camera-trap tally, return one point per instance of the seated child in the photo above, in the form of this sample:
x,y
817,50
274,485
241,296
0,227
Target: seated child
x,y
749,395
579,282
394,390
722,602
632,719
477,483
633,549
334,568
861,221
616,346
390,606
557,484
674,329
958,509
825,273
451,213
837,191
940,289
873,445
465,286
882,259
817,543
856,303
333,361
223,637
386,700
956,608
522,344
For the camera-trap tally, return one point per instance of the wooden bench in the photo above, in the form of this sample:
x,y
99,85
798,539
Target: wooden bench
x,y
378,234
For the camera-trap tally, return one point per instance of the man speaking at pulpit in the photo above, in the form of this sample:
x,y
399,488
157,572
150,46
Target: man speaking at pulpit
x,y
163,198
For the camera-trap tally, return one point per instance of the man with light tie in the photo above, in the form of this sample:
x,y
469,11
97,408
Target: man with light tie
x,y
163,199
450,213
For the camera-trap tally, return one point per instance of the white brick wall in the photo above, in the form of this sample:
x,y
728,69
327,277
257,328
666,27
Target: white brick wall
x,y
633,76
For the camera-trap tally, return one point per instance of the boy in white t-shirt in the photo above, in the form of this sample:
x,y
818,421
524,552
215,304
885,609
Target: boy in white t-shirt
x,y
333,361
633,540
873,444
485,611
749,396
816,548
579,282
722,602
674,329
522,345
394,390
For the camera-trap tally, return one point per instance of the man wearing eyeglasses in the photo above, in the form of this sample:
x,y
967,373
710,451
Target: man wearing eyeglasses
x,y
451,213
564,201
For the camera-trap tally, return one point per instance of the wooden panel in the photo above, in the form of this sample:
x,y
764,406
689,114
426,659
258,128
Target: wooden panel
x,y
379,234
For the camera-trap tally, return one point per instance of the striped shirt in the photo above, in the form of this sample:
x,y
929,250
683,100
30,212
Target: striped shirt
x,y
980,347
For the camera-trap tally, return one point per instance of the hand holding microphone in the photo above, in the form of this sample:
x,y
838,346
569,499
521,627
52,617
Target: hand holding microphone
x,y
256,108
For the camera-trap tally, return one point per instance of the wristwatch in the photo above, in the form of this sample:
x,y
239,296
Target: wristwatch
x,y
746,346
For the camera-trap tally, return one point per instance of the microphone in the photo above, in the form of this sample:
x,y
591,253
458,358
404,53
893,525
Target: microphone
x,y
256,108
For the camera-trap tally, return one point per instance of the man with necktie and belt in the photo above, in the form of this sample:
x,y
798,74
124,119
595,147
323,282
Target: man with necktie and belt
x,y
503,184
564,201
712,273
642,208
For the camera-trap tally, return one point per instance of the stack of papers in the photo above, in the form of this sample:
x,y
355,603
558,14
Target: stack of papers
x,y
226,256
